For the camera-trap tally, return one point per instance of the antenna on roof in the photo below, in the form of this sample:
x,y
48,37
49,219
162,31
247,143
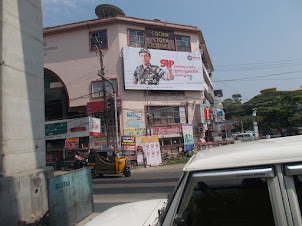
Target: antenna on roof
x,y
106,10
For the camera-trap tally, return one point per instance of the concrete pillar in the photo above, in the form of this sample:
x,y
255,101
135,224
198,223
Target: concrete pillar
x,y
23,175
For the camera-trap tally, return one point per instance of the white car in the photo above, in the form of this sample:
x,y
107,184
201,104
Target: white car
x,y
254,183
243,136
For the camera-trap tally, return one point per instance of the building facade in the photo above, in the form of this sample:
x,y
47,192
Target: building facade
x,y
178,91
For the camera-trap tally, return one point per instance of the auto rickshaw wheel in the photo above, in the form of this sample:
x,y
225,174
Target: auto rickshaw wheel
x,y
127,173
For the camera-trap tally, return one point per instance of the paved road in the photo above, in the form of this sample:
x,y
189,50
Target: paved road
x,y
143,184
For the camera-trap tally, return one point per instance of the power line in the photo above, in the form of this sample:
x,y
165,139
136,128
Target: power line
x,y
260,76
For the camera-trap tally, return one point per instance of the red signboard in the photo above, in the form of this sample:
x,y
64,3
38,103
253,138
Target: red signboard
x,y
98,106
77,129
207,113
163,132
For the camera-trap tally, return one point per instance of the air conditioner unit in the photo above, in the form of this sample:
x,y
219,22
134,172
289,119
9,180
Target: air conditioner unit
x,y
200,129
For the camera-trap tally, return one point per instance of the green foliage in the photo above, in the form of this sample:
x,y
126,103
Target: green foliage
x,y
275,110
232,109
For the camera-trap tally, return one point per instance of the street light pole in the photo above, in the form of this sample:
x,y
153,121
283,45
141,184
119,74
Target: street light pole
x,y
254,115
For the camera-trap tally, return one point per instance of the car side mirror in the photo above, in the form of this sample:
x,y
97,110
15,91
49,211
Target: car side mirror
x,y
179,222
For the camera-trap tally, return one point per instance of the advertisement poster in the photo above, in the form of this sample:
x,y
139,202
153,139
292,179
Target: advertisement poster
x,y
72,143
135,131
128,143
182,114
188,137
162,70
151,150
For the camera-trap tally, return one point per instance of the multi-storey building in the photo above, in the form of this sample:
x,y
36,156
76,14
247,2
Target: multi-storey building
x,y
179,88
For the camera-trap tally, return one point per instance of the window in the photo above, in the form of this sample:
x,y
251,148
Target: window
x,y
97,88
136,38
229,201
183,43
298,184
295,170
163,115
101,36
170,141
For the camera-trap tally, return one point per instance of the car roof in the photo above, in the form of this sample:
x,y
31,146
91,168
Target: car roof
x,y
253,153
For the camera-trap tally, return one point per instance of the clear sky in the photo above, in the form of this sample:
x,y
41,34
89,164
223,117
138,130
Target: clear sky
x,y
253,44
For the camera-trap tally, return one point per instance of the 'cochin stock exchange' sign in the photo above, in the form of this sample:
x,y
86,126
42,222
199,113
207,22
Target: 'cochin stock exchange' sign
x,y
162,70
158,39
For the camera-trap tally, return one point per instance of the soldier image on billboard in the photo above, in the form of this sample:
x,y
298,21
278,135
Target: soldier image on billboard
x,y
148,74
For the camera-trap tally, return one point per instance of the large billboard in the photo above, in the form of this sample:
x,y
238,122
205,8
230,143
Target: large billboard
x,y
162,70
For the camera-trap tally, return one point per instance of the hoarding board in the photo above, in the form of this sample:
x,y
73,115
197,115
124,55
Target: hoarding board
x,y
165,132
72,128
168,70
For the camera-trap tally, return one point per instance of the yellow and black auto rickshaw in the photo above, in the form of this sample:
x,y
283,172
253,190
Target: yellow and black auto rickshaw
x,y
107,162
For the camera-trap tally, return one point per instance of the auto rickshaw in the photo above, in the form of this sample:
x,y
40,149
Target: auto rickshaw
x,y
107,162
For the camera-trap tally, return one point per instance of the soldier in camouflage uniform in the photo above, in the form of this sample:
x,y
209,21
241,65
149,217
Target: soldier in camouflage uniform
x,y
148,74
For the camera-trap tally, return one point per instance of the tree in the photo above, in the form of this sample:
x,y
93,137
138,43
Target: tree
x,y
275,110
232,107
237,97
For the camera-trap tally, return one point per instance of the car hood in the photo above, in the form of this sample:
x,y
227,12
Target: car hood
x,y
136,213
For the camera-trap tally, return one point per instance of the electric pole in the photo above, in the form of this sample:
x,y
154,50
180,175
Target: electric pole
x,y
102,72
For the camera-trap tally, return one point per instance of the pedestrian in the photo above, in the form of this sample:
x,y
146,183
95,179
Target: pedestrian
x,y
78,160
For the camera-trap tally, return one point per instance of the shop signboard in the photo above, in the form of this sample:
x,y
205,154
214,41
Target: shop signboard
x,y
128,143
171,70
151,150
166,132
188,137
98,106
159,39
72,143
135,131
72,128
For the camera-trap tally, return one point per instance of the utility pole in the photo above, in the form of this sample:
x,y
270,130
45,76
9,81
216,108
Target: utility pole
x,y
115,109
148,114
102,72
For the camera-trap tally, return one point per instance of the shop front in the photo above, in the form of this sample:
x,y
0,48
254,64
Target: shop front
x,y
65,137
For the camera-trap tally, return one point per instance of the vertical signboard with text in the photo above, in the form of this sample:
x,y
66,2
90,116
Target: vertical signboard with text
x,y
188,137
